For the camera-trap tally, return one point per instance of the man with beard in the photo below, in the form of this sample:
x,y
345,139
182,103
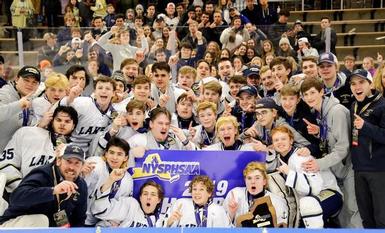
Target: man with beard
x,y
51,195
24,152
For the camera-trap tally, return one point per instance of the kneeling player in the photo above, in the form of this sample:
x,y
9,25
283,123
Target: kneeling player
x,y
198,211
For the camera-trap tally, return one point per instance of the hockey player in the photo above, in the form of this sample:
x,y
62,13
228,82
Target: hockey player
x,y
108,183
95,113
240,199
159,136
267,119
319,195
56,86
228,136
204,134
197,211
124,126
147,212
32,147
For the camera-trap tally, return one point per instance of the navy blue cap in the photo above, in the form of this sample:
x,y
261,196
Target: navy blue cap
x,y
72,151
254,70
266,102
328,58
248,89
362,74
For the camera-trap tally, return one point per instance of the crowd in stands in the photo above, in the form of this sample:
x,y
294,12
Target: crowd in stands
x,y
188,75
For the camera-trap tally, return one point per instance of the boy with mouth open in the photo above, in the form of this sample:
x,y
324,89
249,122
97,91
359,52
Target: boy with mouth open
x,y
124,126
368,148
95,113
199,210
240,199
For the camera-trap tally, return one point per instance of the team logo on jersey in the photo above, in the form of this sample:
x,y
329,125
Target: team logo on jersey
x,y
153,166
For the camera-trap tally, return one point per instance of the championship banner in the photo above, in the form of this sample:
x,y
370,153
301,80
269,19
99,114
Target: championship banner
x,y
174,170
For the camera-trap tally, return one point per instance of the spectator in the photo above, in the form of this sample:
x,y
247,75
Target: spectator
x,y
233,36
349,63
279,28
72,7
99,9
110,17
35,201
64,35
319,41
48,51
267,15
52,9
305,49
285,49
379,79
21,12
124,49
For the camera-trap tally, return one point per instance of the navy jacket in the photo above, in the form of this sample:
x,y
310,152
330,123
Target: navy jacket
x,y
34,195
369,155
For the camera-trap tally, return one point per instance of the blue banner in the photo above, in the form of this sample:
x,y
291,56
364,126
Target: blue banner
x,y
174,170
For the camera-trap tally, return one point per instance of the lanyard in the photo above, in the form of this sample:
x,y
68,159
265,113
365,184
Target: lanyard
x,y
57,195
366,106
201,222
149,219
251,198
114,189
26,114
266,135
207,140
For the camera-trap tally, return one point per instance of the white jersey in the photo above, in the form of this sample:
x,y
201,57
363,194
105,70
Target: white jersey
x,y
101,205
171,91
29,147
148,141
40,106
216,215
201,136
91,120
306,183
241,197
121,106
99,143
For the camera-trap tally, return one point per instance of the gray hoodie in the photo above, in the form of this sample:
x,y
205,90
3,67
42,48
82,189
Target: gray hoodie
x,y
338,131
11,114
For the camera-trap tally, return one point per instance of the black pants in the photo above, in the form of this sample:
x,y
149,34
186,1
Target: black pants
x,y
370,194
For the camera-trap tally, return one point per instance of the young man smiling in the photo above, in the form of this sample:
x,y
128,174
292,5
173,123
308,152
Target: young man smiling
x,y
368,114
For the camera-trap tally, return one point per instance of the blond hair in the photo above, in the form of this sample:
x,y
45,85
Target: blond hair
x,y
255,166
57,80
227,119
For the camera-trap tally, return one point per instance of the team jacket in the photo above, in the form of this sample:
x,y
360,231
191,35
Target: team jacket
x,y
369,155
34,196
216,214
29,147
101,205
241,197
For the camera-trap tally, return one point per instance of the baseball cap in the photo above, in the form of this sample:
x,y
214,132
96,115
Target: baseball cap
x,y
248,89
76,40
28,71
303,39
118,76
362,74
266,102
253,70
72,151
328,58
298,22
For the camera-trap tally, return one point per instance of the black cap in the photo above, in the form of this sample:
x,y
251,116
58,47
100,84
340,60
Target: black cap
x,y
72,151
28,71
248,89
266,103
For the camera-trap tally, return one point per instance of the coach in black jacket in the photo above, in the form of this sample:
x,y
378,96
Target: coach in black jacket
x,y
51,195
368,149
